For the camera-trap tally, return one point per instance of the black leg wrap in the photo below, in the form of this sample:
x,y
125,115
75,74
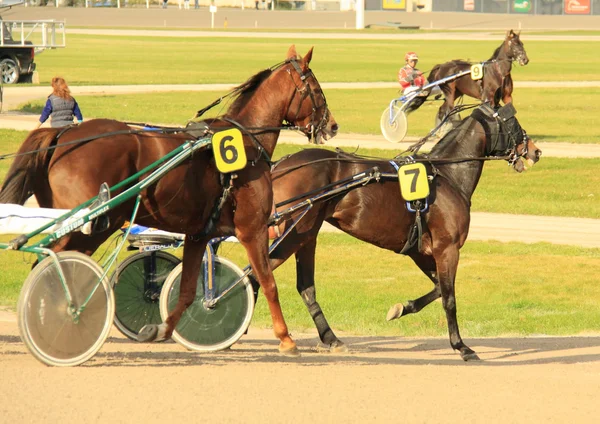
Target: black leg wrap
x,y
325,332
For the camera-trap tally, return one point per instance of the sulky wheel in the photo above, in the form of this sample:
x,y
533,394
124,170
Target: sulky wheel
x,y
139,280
49,326
394,130
216,328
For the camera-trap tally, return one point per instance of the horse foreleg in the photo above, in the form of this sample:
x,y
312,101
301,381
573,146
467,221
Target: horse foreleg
x,y
305,284
507,89
257,250
428,266
447,264
193,253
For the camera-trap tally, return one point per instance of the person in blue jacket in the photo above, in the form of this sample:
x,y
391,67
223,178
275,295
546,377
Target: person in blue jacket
x,y
60,107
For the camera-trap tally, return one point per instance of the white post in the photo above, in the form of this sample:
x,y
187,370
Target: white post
x,y
212,9
118,4
147,4
360,14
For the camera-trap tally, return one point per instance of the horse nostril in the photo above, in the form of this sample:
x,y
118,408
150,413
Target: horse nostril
x,y
334,128
538,153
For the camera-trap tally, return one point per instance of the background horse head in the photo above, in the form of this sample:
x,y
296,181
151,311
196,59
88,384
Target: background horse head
x,y
377,213
66,167
496,83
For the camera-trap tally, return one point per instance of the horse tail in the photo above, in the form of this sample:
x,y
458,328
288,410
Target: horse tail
x,y
29,167
433,74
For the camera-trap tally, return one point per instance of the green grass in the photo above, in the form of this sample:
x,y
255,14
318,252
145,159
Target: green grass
x,y
90,59
502,289
541,111
553,187
553,292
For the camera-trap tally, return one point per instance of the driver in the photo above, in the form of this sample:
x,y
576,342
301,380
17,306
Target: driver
x,y
409,77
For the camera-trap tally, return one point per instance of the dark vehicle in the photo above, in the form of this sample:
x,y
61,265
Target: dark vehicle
x,y
16,58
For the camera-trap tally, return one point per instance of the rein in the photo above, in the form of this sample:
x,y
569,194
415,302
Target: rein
x,y
166,130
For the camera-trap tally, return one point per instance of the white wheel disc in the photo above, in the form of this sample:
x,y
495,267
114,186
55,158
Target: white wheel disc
x,y
394,130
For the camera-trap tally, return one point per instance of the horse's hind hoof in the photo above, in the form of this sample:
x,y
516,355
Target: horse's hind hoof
x,y
148,333
335,347
470,356
292,352
395,312
338,347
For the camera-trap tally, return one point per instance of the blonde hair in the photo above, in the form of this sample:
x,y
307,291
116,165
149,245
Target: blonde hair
x,y
60,88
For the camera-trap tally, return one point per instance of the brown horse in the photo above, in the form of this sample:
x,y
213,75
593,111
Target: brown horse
x,y
496,75
185,199
376,213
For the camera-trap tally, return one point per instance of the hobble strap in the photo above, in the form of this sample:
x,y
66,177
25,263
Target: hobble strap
x,y
415,234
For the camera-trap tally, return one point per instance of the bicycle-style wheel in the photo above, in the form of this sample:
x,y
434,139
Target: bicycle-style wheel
x,y
137,284
211,329
394,129
46,322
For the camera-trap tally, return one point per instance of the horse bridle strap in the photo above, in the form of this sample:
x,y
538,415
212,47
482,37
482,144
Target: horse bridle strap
x,y
257,144
308,92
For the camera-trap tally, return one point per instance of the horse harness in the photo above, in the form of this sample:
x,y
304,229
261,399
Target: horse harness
x,y
227,178
307,91
503,134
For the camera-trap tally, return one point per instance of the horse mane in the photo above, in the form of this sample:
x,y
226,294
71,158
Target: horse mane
x,y
496,52
246,90
454,137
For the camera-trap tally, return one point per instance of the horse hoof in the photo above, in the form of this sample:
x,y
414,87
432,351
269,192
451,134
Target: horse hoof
x,y
292,351
148,333
395,312
470,356
338,347
335,347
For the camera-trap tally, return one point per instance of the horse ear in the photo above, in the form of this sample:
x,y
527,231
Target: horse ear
x,y
510,34
308,57
291,54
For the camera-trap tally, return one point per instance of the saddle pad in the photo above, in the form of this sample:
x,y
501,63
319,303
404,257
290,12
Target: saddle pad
x,y
139,232
17,219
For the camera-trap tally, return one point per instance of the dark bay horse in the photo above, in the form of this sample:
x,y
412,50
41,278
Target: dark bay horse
x,y
496,83
185,198
376,213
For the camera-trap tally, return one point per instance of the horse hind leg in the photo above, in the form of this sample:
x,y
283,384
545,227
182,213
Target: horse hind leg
x,y
305,284
428,266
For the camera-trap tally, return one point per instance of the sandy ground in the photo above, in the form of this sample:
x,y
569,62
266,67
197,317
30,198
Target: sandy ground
x,y
536,379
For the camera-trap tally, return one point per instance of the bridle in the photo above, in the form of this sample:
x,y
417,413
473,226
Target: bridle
x,y
514,155
304,90
514,53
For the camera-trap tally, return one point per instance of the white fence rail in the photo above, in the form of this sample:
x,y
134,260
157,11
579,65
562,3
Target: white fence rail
x,y
40,35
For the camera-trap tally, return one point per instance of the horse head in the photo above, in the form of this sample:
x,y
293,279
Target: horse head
x,y
515,49
514,143
526,150
308,107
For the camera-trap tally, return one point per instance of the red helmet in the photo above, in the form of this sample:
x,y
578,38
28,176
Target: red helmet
x,y
410,56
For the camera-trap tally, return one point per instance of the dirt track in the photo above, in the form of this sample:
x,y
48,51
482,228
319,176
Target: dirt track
x,y
380,379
